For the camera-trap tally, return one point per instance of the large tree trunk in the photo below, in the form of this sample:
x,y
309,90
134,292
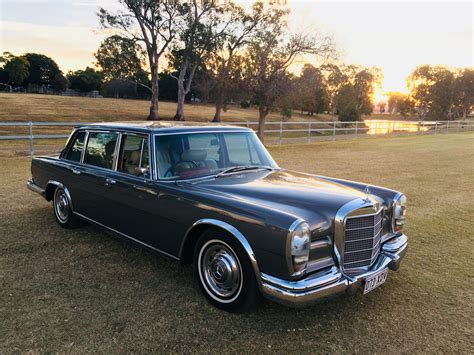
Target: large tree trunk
x,y
153,116
183,89
219,106
262,114
179,116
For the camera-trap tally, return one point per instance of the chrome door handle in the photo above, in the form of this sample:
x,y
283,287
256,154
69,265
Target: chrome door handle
x,y
110,182
75,171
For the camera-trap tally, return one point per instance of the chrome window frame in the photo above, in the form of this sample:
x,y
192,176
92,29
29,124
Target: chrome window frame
x,y
141,135
117,144
69,144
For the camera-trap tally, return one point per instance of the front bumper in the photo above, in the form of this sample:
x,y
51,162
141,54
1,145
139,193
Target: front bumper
x,y
331,281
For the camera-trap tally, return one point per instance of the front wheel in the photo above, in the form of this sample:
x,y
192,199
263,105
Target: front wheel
x,y
63,210
224,273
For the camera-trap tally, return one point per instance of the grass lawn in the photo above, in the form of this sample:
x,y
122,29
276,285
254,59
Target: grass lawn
x,y
85,290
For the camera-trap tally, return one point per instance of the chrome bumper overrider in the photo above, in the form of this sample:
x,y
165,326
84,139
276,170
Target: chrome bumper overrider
x,y
331,281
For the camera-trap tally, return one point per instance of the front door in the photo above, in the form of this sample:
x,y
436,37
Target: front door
x,y
132,196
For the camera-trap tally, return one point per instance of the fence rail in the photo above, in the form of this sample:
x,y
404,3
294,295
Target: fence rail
x,y
42,136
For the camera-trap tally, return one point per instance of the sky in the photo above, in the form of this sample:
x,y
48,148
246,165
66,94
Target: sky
x,y
396,36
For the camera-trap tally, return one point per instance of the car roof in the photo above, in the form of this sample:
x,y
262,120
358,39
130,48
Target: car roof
x,y
165,127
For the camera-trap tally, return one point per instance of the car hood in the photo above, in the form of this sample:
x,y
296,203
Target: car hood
x,y
305,196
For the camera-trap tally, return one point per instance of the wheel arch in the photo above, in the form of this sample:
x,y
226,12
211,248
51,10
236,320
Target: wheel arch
x,y
195,231
51,186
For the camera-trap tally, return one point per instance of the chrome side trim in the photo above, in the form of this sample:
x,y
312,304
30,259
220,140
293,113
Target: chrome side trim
x,y
126,236
236,130
235,233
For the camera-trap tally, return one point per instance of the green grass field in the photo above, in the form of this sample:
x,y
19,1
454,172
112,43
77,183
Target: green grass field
x,y
87,291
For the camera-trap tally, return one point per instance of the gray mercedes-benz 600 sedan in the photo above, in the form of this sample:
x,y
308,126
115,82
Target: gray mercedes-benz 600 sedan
x,y
213,196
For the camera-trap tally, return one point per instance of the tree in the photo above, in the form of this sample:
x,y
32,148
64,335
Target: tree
x,y
381,106
60,82
42,70
152,23
271,52
335,78
16,68
240,27
464,93
122,58
85,80
398,103
199,35
119,88
310,91
431,91
355,96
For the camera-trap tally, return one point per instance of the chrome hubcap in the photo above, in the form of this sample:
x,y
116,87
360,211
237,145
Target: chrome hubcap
x,y
61,204
220,270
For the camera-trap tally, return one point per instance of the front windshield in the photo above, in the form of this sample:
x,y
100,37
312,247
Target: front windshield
x,y
187,156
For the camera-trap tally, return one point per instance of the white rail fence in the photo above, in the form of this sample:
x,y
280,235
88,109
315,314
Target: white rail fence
x,y
34,137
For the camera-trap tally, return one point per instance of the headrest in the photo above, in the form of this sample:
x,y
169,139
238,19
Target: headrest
x,y
135,157
194,155
110,148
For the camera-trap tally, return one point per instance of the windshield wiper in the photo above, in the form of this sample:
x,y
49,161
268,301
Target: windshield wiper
x,y
236,169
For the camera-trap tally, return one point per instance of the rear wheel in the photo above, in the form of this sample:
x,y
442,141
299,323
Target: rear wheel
x,y
63,210
224,273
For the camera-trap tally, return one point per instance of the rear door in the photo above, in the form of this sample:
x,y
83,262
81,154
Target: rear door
x,y
98,161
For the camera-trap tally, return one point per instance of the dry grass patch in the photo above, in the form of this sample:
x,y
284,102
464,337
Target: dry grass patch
x,y
85,290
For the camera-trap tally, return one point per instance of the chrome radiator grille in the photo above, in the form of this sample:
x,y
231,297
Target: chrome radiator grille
x,y
362,240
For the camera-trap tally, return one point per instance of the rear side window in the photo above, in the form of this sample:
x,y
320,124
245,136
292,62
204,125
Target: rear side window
x,y
75,151
100,149
134,156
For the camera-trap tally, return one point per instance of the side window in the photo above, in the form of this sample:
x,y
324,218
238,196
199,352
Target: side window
x,y
75,151
100,149
241,150
207,142
134,156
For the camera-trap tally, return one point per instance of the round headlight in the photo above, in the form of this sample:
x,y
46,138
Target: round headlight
x,y
398,213
300,246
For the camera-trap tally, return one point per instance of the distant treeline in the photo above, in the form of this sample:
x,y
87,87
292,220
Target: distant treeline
x,y
221,53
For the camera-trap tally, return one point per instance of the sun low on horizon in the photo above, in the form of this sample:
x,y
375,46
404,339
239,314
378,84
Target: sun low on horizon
x,y
396,36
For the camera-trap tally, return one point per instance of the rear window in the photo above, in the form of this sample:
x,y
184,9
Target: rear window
x,y
100,150
75,151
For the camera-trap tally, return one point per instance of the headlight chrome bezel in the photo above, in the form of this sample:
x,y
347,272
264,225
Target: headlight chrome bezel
x,y
299,246
399,207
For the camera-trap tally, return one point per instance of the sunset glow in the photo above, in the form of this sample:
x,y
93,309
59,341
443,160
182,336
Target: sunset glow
x,y
395,36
